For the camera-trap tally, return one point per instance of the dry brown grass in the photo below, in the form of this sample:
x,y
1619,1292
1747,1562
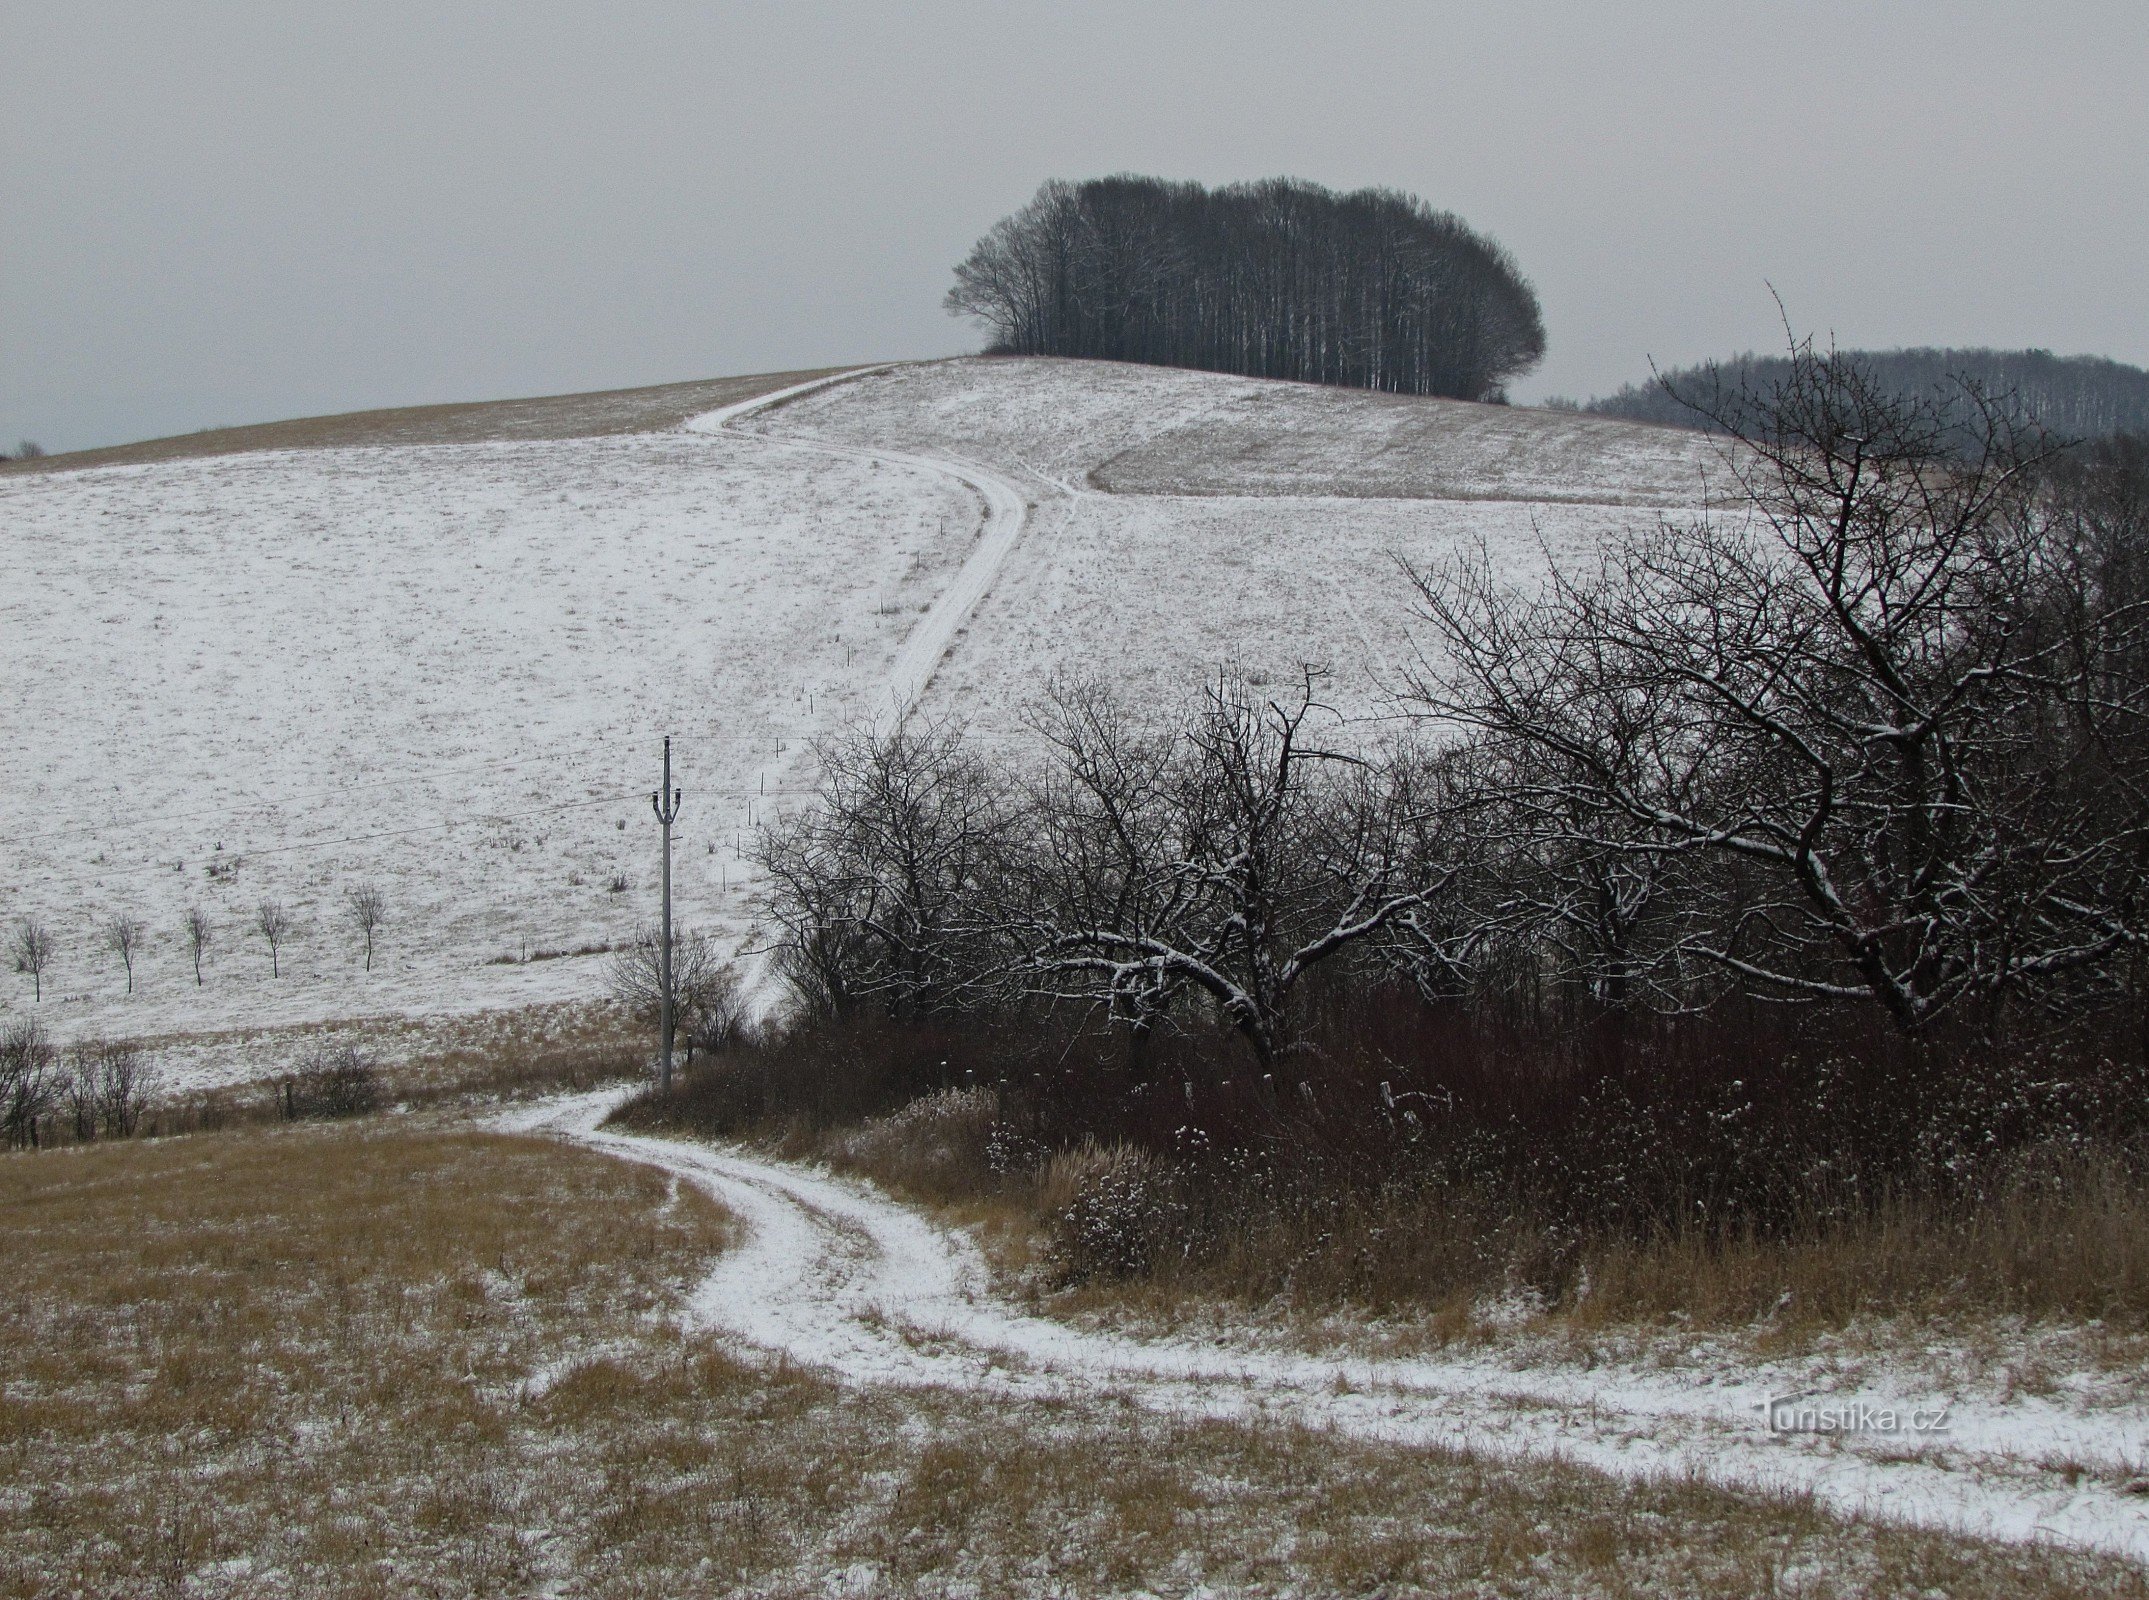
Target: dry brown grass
x,y
2067,1243
419,1063
1094,1230
569,416
362,1361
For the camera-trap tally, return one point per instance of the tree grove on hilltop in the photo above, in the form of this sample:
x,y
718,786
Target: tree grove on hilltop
x,y
1277,279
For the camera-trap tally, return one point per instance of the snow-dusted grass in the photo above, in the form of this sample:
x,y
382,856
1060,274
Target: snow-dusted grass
x,y
443,671
383,1360
1153,578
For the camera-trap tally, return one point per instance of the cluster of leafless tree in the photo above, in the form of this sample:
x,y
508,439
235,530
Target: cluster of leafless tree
x,y
1278,279
1876,734
99,1088
1216,864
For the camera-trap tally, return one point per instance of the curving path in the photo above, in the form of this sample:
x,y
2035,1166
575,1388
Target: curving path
x,y
1005,513
834,1275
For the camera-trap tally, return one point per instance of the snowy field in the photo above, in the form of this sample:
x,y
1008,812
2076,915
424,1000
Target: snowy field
x,y
443,670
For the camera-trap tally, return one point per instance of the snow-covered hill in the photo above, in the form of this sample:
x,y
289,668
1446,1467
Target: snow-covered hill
x,y
444,669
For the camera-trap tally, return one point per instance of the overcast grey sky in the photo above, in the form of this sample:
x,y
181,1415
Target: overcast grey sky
x,y
217,211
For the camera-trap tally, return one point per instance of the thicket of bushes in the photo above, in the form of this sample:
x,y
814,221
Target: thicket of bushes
x,y
1417,1151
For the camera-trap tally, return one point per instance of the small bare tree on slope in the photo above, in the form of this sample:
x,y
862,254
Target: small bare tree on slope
x,y
124,934
272,924
199,936
33,949
368,911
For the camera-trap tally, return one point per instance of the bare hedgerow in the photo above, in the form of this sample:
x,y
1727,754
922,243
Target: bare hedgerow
x,y
332,1083
108,1087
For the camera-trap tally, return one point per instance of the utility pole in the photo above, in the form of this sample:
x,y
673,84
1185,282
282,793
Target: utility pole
x,y
665,802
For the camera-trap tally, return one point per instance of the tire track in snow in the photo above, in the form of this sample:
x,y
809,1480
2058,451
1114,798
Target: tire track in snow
x,y
834,1275
1006,514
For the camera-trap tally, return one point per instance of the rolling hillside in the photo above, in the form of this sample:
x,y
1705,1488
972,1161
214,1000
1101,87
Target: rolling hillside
x,y
437,656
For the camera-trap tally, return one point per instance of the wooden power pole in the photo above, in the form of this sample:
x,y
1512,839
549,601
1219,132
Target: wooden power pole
x,y
665,802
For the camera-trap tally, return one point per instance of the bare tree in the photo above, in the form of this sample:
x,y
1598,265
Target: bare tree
x,y
1229,861
368,910
33,949
200,934
272,924
705,988
1877,698
28,1081
878,888
124,934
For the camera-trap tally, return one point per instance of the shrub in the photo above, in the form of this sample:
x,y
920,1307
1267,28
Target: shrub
x,y
941,1146
332,1083
1109,1211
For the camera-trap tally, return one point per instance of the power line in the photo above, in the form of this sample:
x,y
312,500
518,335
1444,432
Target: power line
x,y
357,838
266,804
251,807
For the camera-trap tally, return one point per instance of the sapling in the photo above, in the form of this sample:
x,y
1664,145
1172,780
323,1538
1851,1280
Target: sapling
x,y
198,938
271,923
125,935
368,909
33,949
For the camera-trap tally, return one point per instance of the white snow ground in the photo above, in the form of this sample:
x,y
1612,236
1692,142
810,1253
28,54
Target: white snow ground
x,y
445,669
833,1275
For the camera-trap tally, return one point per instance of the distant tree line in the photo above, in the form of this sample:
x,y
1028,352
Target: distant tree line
x,y
1277,279
2083,397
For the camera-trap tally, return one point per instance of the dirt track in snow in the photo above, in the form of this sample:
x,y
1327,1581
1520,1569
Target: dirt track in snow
x,y
834,1275
1005,512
